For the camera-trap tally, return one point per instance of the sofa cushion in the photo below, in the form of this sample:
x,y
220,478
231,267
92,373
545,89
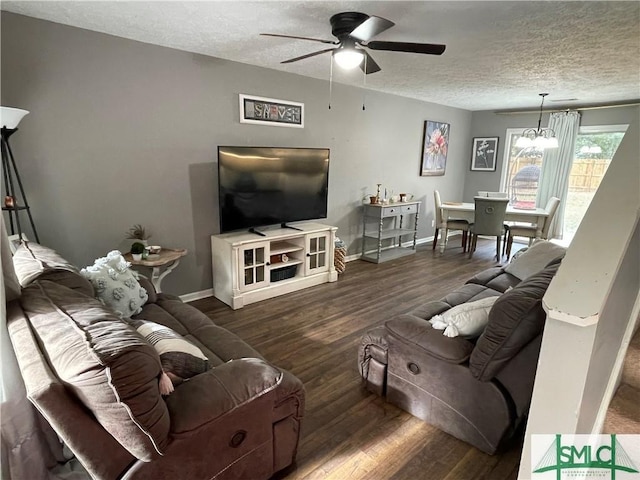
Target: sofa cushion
x,y
218,344
104,362
179,357
416,332
429,309
534,259
469,293
466,320
33,261
116,284
515,319
495,278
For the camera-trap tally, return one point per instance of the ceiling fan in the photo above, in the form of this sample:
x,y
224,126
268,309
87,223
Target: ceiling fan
x,y
355,30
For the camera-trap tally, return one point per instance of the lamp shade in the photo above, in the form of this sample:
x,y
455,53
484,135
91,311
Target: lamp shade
x,y
10,117
348,58
524,142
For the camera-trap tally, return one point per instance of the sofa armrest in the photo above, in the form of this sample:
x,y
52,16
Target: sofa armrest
x,y
210,395
419,332
148,286
373,359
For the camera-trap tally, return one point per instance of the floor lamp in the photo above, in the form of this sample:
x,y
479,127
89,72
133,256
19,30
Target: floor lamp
x,y
9,119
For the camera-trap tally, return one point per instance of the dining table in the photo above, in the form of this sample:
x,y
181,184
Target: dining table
x,y
466,211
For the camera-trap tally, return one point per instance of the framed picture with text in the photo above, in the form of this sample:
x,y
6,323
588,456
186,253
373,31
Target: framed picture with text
x,y
484,153
271,111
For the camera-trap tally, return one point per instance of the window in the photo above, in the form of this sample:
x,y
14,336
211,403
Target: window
x,y
521,171
595,147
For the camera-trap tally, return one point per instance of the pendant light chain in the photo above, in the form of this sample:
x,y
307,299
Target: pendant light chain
x,y
364,86
330,81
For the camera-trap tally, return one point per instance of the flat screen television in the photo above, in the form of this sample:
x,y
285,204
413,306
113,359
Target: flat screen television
x,y
259,186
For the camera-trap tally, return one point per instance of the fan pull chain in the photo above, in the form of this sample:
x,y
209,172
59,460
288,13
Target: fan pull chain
x,y
364,87
330,81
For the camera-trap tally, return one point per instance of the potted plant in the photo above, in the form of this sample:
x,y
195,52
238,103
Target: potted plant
x,y
139,233
137,249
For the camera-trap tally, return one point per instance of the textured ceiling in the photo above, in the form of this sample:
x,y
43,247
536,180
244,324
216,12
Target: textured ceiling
x,y
499,55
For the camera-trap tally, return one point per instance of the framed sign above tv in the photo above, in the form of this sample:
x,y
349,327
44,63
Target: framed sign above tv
x,y
271,111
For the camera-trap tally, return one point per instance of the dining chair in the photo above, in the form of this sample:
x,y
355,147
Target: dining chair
x,y
446,224
529,231
488,220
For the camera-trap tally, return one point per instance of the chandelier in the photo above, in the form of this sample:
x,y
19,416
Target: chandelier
x,y
539,138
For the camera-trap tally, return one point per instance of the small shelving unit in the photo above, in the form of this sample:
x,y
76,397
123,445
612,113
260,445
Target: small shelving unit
x,y
283,260
248,268
386,228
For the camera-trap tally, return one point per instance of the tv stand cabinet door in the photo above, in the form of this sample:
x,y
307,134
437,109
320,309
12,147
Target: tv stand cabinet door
x,y
319,256
253,266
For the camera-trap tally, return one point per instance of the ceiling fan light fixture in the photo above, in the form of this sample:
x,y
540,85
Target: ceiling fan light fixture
x,y
348,58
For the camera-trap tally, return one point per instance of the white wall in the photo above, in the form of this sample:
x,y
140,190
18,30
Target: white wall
x,y
591,304
122,132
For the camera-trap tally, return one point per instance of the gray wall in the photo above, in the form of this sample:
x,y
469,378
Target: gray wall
x,y
122,132
489,124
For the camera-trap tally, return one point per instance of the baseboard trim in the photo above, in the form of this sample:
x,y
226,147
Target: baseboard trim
x,y
190,297
419,241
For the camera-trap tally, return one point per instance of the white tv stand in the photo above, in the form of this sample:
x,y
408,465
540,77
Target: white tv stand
x,y
248,268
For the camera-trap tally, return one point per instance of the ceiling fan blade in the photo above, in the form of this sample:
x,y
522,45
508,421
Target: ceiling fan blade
x,y
291,60
332,42
371,65
371,27
428,48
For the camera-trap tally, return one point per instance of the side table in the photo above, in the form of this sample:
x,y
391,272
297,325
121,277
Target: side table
x,y
167,258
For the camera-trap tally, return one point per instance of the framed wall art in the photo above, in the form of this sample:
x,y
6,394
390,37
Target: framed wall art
x,y
484,153
271,111
435,144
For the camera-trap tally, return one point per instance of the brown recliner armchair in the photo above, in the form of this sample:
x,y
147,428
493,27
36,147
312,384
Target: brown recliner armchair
x,y
476,390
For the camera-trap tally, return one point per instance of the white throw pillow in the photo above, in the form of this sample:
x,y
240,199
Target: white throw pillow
x,y
467,319
116,285
534,259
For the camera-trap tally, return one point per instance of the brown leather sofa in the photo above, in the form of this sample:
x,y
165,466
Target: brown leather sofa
x,y
478,390
96,383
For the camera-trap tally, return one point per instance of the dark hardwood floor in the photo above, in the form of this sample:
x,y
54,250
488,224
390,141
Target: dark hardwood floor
x,y
347,432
